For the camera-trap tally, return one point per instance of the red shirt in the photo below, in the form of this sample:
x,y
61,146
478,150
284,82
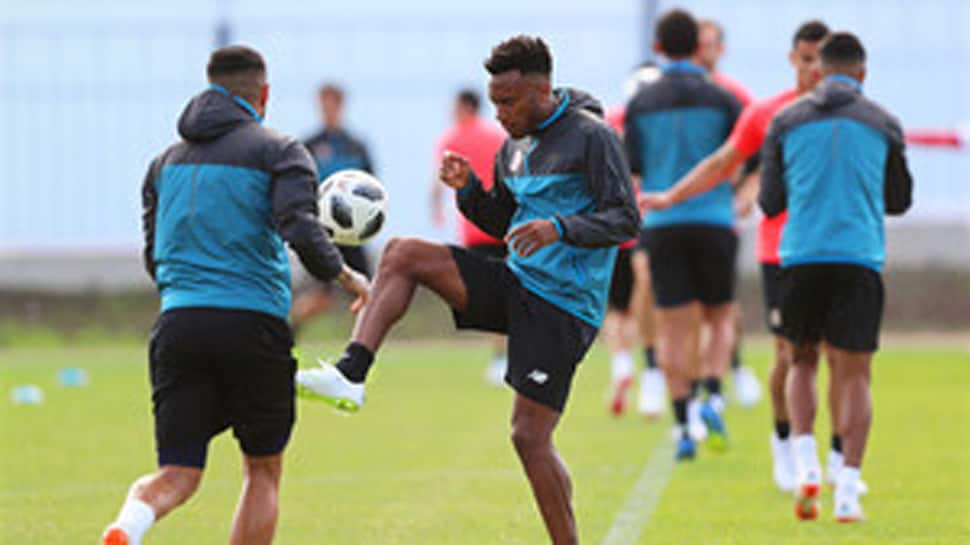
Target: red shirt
x,y
478,141
733,86
747,136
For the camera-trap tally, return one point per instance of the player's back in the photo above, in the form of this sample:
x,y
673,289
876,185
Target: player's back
x,y
836,154
670,126
213,238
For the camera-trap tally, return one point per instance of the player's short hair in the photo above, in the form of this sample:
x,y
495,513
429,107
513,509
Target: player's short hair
x,y
470,99
712,24
813,31
527,54
842,49
677,34
332,89
239,69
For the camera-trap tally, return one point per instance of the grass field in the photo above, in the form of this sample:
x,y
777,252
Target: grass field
x,y
428,460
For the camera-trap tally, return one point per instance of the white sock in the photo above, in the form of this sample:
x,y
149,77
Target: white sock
x,y
500,361
805,452
621,365
848,481
135,518
717,402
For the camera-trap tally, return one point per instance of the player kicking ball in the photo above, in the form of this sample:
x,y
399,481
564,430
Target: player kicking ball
x,y
562,200
835,161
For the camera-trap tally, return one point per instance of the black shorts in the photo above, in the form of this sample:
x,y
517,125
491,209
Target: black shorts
x,y
838,303
212,369
497,251
545,342
771,289
691,263
621,286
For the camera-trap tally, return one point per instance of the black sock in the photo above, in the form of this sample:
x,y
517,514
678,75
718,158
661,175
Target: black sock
x,y
680,414
836,443
782,429
736,358
695,386
713,386
650,358
355,362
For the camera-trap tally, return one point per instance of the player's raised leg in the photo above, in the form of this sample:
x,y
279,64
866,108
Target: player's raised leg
x,y
405,264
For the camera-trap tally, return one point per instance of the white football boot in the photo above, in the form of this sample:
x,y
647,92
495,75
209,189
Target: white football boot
x,y
326,383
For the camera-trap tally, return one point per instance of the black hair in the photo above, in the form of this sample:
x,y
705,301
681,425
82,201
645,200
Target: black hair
x,y
677,33
842,49
810,31
527,54
234,60
470,98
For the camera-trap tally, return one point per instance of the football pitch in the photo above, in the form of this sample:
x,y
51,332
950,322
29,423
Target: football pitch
x,y
428,460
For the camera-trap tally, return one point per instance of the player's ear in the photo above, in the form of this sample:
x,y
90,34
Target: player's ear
x,y
264,95
657,49
862,74
792,58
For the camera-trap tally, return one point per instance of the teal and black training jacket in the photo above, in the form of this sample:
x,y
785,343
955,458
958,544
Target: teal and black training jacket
x,y
571,171
218,205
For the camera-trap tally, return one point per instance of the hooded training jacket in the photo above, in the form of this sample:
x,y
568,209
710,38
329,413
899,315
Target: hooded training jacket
x,y
218,205
570,170
836,161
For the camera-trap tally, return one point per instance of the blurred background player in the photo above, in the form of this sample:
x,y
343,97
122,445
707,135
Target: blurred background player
x,y
334,148
744,144
746,388
217,207
835,161
478,139
629,315
671,125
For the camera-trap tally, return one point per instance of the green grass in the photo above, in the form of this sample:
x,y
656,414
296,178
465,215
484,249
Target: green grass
x,y
428,459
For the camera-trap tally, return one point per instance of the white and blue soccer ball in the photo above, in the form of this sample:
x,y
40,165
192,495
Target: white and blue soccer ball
x,y
353,206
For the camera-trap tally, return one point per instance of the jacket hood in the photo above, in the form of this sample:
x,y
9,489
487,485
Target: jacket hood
x,y
831,94
581,100
210,115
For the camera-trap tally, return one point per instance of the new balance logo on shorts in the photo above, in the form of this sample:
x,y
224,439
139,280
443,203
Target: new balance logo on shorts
x,y
537,376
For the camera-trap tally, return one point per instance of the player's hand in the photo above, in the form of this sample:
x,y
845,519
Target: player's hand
x,y
355,284
455,171
528,238
654,201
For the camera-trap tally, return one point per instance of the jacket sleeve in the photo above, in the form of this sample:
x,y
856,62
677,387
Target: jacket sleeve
x,y
632,143
149,208
295,214
772,196
615,218
491,211
898,189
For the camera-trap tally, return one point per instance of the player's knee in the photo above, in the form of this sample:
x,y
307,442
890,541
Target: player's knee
x,y
263,468
528,440
396,258
177,482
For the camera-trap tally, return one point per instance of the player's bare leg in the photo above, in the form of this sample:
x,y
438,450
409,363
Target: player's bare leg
x,y
532,426
854,401
677,339
783,470
621,333
149,499
652,399
311,303
258,510
802,403
720,321
406,264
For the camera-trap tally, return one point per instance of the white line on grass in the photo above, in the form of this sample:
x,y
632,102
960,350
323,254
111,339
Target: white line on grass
x,y
643,498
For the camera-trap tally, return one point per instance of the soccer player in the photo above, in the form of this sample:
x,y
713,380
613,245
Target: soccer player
x,y
671,125
710,49
747,389
562,201
835,161
217,208
743,144
333,148
478,140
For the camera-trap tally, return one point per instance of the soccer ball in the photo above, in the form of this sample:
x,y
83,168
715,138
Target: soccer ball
x,y
352,206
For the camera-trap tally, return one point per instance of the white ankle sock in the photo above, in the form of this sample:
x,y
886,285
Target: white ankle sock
x,y
621,365
848,480
717,402
805,451
135,518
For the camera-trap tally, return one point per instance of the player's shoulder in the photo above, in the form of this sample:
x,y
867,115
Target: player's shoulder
x,y
880,117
